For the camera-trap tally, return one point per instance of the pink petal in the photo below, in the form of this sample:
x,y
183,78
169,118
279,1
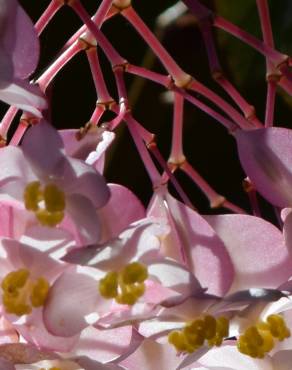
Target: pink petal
x,y
53,241
122,209
80,178
86,220
73,296
24,96
35,332
282,360
107,345
40,136
20,255
175,276
13,219
266,156
259,255
8,334
229,357
21,41
152,355
139,242
14,166
206,255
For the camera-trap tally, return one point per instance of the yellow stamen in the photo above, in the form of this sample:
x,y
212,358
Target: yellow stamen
x,y
48,202
260,339
126,286
20,293
195,333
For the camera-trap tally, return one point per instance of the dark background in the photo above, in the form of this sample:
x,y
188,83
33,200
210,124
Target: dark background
x,y
207,145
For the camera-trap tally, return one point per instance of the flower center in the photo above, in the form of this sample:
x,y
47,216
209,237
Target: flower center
x,y
126,286
48,202
20,293
259,339
194,334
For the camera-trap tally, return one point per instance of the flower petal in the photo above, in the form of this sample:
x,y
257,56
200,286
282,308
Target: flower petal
x,y
73,296
257,249
266,156
205,253
122,209
40,136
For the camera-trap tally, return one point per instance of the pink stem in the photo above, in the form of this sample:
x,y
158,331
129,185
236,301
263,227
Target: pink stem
x,y
180,77
100,16
218,76
45,79
265,20
144,154
165,81
6,121
221,103
47,15
177,155
175,183
270,103
149,75
274,56
217,116
216,200
97,114
112,55
97,75
19,132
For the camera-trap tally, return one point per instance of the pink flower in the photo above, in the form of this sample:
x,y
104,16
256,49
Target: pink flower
x,y
52,185
26,275
126,280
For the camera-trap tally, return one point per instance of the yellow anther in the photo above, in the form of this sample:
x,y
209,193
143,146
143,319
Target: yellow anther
x,y
195,333
47,218
20,293
48,203
134,272
32,196
108,286
14,280
178,340
39,292
54,198
259,339
278,327
126,286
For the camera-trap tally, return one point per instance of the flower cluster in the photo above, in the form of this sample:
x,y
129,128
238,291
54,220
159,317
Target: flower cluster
x,y
90,278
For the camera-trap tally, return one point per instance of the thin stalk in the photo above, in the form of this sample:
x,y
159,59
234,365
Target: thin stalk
x,y
6,121
264,14
97,75
274,56
176,153
47,15
179,76
112,55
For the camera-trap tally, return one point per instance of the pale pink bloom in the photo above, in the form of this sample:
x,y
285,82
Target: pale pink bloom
x,y
41,159
194,243
19,54
226,253
139,243
15,257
